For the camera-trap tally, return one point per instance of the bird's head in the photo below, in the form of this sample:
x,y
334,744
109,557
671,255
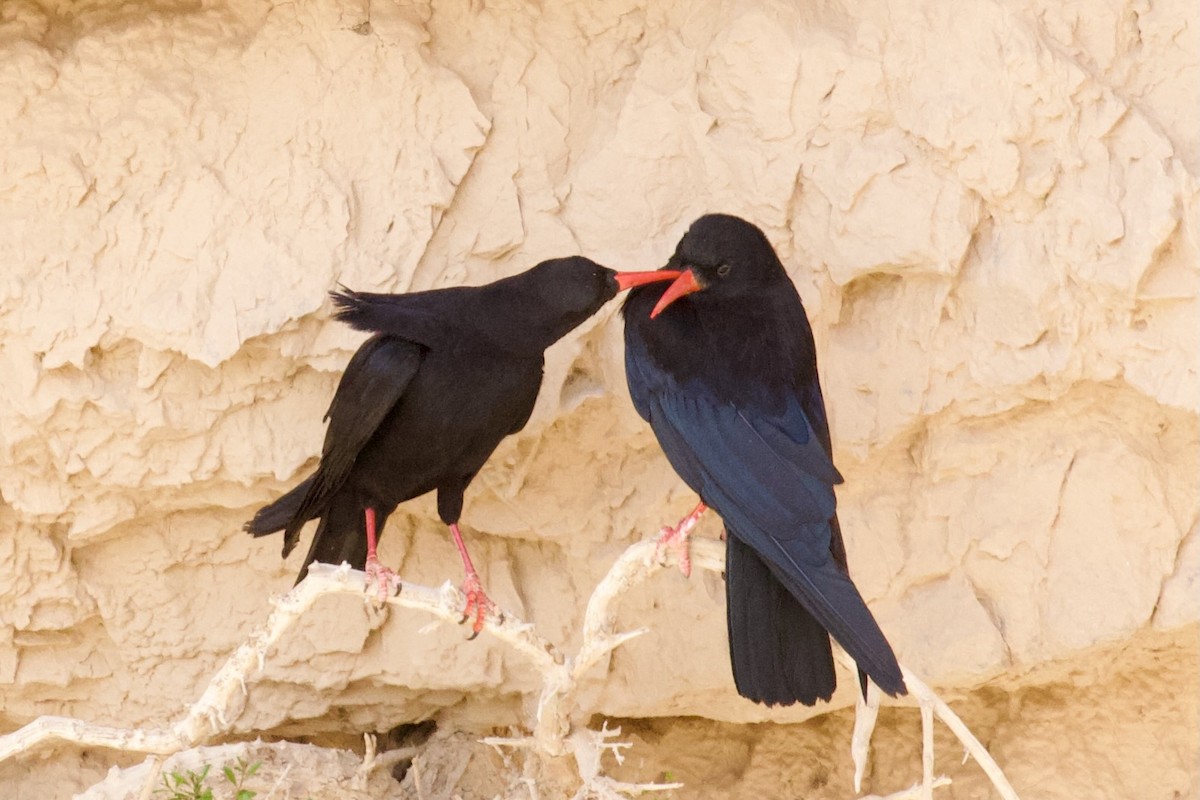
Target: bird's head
x,y
722,256
578,286
553,297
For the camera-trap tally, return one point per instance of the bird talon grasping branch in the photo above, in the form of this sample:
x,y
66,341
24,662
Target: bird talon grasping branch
x,y
483,605
472,587
385,581
678,540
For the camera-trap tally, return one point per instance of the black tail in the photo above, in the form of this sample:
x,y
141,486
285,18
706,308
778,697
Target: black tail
x,y
780,653
341,536
277,515
827,593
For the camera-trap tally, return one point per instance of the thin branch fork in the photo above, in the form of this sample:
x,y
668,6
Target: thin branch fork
x,y
224,698
640,562
552,731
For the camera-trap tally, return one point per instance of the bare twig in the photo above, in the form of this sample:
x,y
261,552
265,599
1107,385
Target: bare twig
x,y
46,729
640,561
416,773
155,769
553,732
931,706
224,697
287,768
390,758
866,712
927,698
369,763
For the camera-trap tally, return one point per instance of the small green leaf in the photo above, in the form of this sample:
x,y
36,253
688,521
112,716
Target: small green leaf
x,y
253,768
229,776
204,772
245,794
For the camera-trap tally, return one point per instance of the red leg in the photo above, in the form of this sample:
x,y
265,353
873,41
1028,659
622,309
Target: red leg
x,y
677,539
471,586
377,573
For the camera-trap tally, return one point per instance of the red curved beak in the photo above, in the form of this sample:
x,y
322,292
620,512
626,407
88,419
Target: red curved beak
x,y
686,283
628,280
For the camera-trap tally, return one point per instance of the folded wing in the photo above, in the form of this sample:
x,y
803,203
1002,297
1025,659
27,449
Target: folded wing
x,y
373,383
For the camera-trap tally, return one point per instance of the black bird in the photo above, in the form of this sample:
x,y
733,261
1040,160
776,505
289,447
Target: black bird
x,y
424,402
722,365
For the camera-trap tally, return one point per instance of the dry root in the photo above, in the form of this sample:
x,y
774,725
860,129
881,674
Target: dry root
x,y
556,729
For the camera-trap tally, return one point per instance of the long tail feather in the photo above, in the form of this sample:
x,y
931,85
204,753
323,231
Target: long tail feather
x,y
779,652
341,536
833,599
277,515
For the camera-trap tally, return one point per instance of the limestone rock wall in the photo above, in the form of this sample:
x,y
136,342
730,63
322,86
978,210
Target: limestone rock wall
x,y
989,208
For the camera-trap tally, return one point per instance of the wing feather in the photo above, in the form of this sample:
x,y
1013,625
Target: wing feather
x,y
771,479
373,383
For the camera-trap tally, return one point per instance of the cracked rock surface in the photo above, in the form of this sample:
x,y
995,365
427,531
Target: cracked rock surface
x,y
989,209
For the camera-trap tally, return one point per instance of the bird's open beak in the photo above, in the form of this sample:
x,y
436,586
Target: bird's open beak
x,y
628,280
686,283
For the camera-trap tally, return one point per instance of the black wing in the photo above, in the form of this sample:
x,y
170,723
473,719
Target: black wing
x,y
771,479
374,381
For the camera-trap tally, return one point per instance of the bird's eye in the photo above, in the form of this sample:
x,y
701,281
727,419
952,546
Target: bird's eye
x,y
723,270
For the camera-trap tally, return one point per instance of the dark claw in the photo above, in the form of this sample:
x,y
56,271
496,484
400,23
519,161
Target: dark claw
x,y
467,609
471,638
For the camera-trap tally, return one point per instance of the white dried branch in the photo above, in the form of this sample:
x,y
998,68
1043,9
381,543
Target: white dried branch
x,y
926,752
553,734
224,698
931,706
154,769
640,561
390,758
866,712
927,698
50,728
369,763
283,776
589,747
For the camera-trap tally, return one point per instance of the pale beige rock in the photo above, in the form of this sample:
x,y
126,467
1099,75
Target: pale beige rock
x,y
989,209
1179,603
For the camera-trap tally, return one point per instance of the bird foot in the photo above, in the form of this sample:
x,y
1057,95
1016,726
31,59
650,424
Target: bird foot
x,y
477,599
676,540
386,581
672,540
